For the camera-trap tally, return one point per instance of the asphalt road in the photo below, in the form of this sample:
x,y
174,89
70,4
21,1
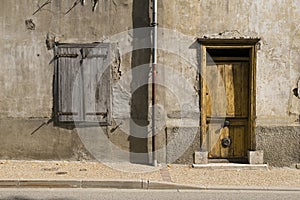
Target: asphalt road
x,y
105,194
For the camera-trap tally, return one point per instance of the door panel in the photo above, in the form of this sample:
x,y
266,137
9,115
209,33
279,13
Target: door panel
x,y
238,138
227,100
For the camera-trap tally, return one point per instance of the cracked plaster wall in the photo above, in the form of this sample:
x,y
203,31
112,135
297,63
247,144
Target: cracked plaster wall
x,y
26,75
278,72
275,22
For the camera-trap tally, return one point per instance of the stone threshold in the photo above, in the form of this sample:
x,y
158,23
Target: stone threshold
x,y
231,166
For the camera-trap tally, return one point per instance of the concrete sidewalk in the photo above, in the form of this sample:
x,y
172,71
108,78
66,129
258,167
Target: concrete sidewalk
x,y
127,175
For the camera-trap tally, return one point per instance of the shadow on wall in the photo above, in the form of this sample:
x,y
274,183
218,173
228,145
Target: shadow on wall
x,y
138,138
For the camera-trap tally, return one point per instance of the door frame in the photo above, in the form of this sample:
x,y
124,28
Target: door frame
x,y
252,45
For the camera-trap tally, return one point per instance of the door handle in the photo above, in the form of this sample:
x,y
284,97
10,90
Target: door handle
x,y
226,142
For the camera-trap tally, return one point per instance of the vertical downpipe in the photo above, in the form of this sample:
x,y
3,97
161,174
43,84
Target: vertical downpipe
x,y
154,62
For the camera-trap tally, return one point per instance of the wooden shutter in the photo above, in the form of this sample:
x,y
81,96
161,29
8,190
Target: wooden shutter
x,y
82,84
96,78
69,85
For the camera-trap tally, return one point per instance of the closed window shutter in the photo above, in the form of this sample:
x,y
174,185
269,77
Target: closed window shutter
x,y
69,85
83,88
96,76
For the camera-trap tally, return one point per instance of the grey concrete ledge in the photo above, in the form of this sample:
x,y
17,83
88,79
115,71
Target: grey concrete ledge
x,y
127,184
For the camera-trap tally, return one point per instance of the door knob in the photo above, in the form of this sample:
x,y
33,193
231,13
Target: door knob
x,y
226,142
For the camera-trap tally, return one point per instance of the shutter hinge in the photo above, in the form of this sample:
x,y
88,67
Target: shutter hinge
x,y
75,55
96,56
104,114
67,113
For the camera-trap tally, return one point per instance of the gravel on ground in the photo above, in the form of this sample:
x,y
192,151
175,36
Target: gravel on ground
x,y
182,174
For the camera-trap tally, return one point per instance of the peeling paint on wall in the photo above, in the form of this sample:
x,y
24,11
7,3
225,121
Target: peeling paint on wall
x,y
50,41
116,63
30,25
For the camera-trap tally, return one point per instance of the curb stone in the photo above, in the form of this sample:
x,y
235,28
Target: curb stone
x,y
254,188
112,183
127,184
9,183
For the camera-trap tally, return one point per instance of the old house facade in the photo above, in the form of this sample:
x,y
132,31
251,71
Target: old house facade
x,y
76,80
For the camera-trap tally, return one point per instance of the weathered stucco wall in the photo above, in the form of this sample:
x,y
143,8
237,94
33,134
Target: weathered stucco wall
x,y
275,22
26,70
278,72
26,77
49,143
280,144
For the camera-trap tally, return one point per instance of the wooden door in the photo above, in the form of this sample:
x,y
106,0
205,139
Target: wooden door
x,y
227,109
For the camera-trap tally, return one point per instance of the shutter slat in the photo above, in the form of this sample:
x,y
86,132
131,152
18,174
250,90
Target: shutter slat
x,y
69,85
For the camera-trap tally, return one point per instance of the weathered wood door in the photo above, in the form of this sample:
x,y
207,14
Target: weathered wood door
x,y
227,109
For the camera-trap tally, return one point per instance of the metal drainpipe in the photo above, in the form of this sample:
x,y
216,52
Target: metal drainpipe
x,y
154,62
